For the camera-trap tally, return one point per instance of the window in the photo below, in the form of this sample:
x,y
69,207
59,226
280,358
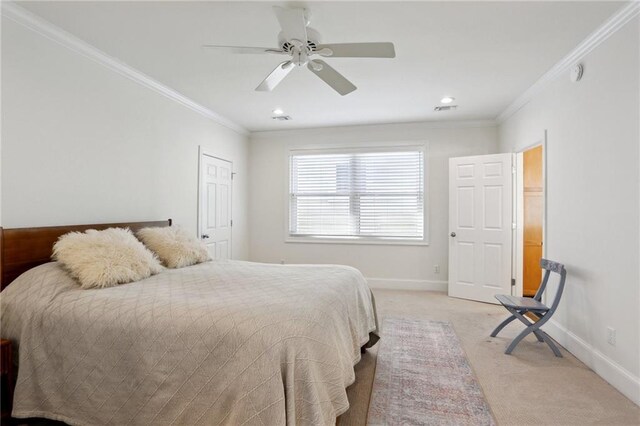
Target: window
x,y
374,194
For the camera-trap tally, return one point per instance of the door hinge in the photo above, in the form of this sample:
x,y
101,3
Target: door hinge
x,y
513,282
232,175
231,224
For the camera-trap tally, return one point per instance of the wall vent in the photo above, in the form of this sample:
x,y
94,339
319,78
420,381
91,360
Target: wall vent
x,y
445,107
282,117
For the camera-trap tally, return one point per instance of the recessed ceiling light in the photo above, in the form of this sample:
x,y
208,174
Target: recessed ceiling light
x,y
447,100
278,111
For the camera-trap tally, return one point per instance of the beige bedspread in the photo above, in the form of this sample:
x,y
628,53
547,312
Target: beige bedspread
x,y
223,342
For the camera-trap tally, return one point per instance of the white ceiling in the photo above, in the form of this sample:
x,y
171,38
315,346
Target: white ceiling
x,y
484,54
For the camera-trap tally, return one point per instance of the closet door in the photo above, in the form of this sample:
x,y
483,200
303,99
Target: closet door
x,y
215,205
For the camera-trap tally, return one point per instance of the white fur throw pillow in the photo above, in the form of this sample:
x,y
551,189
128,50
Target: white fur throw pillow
x,y
105,258
175,247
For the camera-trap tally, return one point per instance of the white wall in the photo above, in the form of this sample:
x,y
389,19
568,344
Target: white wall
x,y
392,266
83,144
593,202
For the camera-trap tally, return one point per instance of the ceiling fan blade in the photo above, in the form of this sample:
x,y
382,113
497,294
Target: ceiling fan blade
x,y
332,77
276,76
357,50
244,49
293,23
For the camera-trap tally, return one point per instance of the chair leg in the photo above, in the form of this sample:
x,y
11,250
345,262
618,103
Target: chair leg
x,y
517,340
502,325
549,342
535,329
539,336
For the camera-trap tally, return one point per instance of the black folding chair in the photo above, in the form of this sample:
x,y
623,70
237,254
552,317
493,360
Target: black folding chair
x,y
519,306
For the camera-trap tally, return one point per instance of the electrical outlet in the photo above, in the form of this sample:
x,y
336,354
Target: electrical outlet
x,y
611,336
282,261
436,269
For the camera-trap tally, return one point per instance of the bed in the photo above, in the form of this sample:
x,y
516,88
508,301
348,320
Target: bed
x,y
221,342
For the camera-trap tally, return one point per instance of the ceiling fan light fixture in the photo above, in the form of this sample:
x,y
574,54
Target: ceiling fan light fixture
x,y
447,100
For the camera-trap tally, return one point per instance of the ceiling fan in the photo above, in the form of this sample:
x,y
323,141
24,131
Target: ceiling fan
x,y
301,43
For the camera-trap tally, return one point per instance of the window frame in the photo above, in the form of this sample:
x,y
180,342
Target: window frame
x,y
364,148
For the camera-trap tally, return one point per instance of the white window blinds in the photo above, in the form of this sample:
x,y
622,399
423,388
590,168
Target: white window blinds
x,y
357,194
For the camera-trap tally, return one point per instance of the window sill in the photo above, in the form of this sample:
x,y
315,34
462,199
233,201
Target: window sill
x,y
361,241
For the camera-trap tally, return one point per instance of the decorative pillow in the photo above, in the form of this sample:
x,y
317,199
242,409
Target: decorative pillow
x,y
106,258
175,247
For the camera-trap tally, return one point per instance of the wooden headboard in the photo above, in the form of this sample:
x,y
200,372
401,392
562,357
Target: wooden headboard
x,y
24,248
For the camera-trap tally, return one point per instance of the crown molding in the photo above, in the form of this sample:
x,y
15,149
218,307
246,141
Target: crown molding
x,y
609,27
448,124
48,30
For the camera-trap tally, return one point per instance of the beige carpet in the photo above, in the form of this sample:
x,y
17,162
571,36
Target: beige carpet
x,y
529,387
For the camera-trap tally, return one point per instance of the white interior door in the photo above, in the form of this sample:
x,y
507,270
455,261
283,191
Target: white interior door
x,y
480,226
215,205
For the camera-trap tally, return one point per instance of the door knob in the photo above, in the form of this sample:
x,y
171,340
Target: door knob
x,y
453,234
205,236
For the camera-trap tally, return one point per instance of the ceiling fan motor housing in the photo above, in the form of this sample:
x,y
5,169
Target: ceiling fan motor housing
x,y
312,42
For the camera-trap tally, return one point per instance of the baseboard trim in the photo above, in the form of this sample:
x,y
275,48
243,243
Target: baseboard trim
x,y
405,284
605,367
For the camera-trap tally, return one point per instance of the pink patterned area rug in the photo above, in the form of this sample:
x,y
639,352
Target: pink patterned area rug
x,y
423,378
